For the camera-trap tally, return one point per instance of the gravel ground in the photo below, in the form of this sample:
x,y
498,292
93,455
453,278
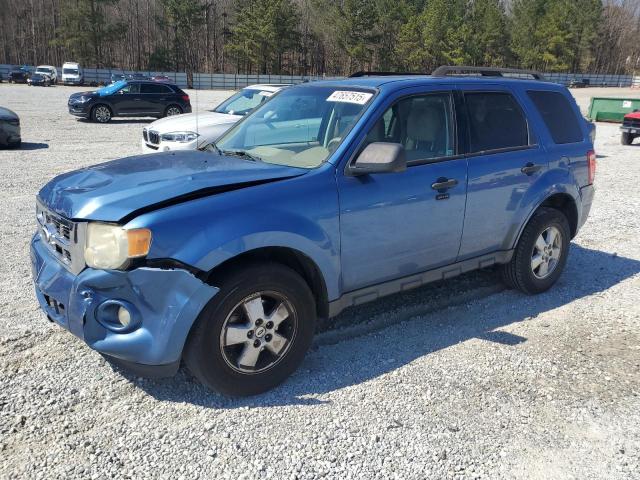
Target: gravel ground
x,y
457,380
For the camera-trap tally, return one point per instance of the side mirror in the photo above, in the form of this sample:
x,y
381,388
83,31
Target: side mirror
x,y
380,157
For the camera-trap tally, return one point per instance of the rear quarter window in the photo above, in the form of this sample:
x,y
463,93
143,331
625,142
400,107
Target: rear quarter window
x,y
558,115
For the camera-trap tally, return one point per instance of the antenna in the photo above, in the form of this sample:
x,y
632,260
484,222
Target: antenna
x,y
197,130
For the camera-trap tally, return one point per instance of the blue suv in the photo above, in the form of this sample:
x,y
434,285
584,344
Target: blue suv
x,y
331,194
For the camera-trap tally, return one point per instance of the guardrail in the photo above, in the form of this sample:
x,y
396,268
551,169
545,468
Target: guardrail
x,y
230,81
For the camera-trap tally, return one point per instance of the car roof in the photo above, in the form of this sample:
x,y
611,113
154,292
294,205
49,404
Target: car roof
x,y
404,81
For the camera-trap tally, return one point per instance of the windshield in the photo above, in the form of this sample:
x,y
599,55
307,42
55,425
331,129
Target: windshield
x,y
70,71
243,102
111,89
299,127
44,70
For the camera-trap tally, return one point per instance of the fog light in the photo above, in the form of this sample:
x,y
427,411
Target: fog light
x,y
118,316
124,317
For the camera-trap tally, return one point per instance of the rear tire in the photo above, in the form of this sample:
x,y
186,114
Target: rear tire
x,y
254,333
626,138
172,110
101,113
541,253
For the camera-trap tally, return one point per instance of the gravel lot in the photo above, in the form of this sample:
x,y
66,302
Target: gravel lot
x,y
456,380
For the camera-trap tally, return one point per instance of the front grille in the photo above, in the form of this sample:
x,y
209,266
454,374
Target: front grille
x,y
154,137
631,122
63,237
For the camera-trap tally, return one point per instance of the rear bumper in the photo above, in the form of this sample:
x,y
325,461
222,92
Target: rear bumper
x,y
163,303
586,195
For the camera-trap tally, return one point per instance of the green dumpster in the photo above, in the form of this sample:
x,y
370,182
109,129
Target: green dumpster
x,y
610,109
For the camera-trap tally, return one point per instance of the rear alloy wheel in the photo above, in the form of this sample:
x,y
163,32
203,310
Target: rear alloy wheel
x,y
254,332
172,110
541,254
101,114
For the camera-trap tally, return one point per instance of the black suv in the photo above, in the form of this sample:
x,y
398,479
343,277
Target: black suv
x,y
18,75
127,98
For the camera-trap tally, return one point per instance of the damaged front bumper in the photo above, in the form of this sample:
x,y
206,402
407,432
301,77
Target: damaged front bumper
x,y
163,304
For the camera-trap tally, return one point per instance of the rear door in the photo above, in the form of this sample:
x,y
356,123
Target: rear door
x,y
155,97
505,160
398,224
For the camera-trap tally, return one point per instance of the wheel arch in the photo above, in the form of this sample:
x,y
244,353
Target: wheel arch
x,y
561,201
290,257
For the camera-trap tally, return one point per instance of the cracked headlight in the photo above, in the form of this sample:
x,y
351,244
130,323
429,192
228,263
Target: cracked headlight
x,y
111,246
181,137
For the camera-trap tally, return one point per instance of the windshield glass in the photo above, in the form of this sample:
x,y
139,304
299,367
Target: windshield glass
x,y
299,127
111,89
243,102
70,71
44,70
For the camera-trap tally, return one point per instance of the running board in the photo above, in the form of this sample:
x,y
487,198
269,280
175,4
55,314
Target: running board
x,y
368,294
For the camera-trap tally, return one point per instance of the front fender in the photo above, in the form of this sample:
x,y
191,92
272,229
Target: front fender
x,y
299,213
552,182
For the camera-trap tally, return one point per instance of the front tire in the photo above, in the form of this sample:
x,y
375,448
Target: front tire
x,y
626,138
101,114
541,253
254,333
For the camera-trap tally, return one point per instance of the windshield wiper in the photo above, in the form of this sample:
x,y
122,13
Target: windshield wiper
x,y
241,154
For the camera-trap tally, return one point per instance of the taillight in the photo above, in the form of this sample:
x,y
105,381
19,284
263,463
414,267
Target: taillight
x,y
591,164
185,98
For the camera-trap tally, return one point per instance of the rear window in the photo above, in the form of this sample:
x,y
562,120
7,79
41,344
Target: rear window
x,y
496,122
558,116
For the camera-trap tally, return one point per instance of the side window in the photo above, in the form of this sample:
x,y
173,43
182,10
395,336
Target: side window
x,y
131,88
423,124
154,88
558,116
496,121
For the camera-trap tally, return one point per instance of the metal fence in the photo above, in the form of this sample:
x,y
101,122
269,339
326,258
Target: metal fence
x,y
230,81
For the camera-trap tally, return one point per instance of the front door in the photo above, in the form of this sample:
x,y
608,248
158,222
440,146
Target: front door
x,y
127,101
398,224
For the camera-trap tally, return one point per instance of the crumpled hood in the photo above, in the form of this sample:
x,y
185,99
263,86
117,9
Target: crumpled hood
x,y
119,189
192,122
635,115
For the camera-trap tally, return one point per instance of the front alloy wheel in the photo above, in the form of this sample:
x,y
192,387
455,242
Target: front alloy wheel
x,y
254,332
258,332
101,114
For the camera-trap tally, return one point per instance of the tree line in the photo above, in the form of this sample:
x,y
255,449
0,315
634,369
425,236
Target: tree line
x,y
323,37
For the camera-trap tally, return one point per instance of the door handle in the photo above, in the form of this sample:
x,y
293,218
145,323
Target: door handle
x,y
530,168
444,183
137,99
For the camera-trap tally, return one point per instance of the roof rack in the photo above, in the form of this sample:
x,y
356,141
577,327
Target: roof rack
x,y
382,74
446,70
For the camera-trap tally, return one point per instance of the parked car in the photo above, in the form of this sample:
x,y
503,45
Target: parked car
x,y
630,127
575,83
18,75
49,71
189,132
331,194
9,128
39,80
127,98
72,74
138,76
161,79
